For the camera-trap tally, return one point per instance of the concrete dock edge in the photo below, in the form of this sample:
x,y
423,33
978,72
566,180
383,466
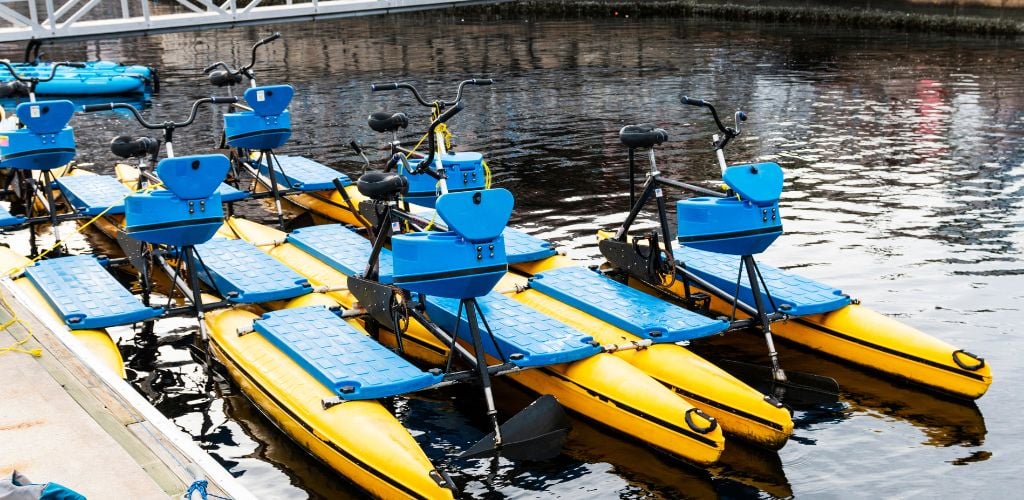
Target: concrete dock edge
x,y
65,416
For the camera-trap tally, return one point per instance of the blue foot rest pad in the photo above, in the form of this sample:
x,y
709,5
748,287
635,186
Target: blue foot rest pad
x,y
245,274
523,247
297,172
341,248
229,194
8,220
627,308
85,295
795,295
349,363
518,329
92,194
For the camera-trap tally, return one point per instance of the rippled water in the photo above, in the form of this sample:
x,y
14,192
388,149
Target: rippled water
x,y
904,159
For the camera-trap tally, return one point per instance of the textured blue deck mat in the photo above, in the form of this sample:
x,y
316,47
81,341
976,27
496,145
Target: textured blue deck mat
x,y
625,307
85,295
92,194
230,194
351,364
518,329
8,220
524,247
245,274
297,172
804,296
341,248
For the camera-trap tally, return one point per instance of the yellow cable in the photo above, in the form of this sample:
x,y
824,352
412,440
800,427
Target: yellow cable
x,y
487,175
431,223
36,352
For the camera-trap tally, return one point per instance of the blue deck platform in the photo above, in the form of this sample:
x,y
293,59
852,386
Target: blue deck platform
x,y
796,295
245,274
297,172
341,248
627,308
92,194
8,220
85,295
518,329
351,364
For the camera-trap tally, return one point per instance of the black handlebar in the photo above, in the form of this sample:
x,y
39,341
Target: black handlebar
x,y
379,87
35,79
728,132
425,164
88,108
233,76
167,125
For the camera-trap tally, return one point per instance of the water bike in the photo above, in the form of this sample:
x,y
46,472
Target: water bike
x,y
720,231
81,79
254,130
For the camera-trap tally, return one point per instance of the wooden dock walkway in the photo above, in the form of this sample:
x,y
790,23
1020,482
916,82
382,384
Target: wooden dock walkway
x,y
63,420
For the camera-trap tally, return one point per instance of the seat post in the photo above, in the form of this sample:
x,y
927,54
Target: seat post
x,y
272,166
50,205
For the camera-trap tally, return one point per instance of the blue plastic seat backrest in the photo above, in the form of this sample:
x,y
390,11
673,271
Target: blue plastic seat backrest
x,y
45,117
477,216
759,183
193,177
269,100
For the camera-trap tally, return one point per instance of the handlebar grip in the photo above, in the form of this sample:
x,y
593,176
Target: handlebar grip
x,y
694,102
224,99
451,112
271,38
98,107
211,67
73,64
376,87
355,146
741,115
482,81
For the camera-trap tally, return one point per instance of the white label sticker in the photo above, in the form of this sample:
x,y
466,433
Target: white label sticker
x,y
260,95
34,111
658,193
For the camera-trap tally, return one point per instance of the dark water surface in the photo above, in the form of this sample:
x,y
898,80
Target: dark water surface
x,y
904,159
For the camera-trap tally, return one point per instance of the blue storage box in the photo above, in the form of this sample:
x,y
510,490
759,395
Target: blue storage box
x,y
268,125
45,143
464,262
161,217
727,225
465,172
447,265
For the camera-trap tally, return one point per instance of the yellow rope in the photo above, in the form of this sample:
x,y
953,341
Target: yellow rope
x,y
431,223
487,174
417,146
16,270
37,352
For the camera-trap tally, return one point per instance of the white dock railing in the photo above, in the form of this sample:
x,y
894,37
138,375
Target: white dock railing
x,y
44,19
